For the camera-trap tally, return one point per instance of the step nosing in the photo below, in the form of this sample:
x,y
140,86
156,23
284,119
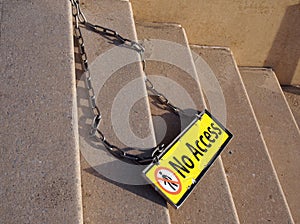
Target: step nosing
x,y
211,47
158,24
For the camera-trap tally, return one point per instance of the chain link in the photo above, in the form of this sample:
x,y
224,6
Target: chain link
x,y
162,98
80,18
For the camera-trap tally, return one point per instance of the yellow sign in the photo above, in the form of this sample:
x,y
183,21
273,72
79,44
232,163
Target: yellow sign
x,y
183,163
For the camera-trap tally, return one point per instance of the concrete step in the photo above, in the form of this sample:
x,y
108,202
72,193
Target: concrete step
x,y
39,162
255,188
279,130
112,191
171,69
292,95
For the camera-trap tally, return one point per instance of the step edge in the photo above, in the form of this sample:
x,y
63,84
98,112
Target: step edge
x,y
143,75
229,191
75,116
196,77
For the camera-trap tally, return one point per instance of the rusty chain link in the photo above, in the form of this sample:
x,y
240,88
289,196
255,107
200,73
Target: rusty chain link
x,y
80,19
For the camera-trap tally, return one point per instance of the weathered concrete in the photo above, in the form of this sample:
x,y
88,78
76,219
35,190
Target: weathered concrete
x,y
259,32
292,95
111,191
254,184
39,162
211,202
279,130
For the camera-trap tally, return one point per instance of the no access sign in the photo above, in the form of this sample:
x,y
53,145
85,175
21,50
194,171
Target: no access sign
x,y
183,163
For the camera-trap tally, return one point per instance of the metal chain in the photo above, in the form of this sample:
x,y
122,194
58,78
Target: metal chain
x,y
95,130
162,98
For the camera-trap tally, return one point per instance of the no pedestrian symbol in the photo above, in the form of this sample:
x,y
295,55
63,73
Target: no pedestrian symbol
x,y
168,180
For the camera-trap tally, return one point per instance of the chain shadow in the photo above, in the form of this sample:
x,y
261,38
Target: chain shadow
x,y
175,123
77,57
104,166
145,191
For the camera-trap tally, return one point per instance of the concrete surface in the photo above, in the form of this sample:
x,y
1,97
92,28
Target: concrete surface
x,y
211,201
111,188
279,130
292,95
254,184
39,163
259,32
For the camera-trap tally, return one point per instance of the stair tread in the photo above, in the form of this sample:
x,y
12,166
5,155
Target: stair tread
x,y
279,130
40,174
111,191
212,191
253,182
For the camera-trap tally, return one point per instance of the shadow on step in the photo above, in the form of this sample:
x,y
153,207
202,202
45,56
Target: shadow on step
x,y
291,89
168,125
133,173
144,191
285,52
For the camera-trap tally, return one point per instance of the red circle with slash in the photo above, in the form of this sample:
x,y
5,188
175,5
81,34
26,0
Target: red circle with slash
x,y
168,180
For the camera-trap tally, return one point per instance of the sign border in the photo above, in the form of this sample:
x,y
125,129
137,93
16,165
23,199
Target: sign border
x,y
202,173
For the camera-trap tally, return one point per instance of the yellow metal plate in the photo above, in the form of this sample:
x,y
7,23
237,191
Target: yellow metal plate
x,y
183,163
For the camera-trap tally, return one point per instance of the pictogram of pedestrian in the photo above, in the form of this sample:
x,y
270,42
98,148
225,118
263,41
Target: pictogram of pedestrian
x,y
168,180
